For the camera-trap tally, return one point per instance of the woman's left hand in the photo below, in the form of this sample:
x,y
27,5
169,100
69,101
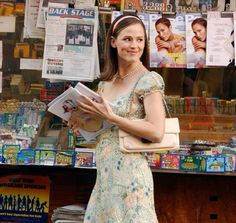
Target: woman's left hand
x,y
102,109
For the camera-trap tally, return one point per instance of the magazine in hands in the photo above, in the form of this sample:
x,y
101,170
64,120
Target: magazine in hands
x,y
66,103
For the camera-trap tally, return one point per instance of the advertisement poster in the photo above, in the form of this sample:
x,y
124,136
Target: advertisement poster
x,y
167,41
199,5
196,33
70,51
24,198
220,40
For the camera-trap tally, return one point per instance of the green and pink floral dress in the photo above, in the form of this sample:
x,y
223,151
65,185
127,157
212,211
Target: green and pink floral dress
x,y
123,192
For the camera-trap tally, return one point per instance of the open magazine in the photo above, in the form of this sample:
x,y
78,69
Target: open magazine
x,y
66,103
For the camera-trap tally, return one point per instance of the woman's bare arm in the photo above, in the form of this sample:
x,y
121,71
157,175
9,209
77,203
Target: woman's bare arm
x,y
152,128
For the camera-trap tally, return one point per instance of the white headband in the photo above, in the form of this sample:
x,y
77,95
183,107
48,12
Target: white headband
x,y
122,18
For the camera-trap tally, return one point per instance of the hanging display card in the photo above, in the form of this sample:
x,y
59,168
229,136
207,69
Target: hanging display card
x,y
31,64
43,9
7,24
199,5
168,48
25,198
196,33
220,38
159,5
31,14
70,51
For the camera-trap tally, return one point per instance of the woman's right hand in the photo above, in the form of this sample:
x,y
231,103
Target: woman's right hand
x,y
74,122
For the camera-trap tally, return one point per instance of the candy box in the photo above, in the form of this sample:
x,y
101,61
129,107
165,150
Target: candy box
x,y
37,156
25,156
154,159
202,163
47,157
215,164
170,161
65,157
189,163
230,161
10,152
85,158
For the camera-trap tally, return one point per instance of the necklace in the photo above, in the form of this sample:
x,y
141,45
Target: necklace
x,y
137,68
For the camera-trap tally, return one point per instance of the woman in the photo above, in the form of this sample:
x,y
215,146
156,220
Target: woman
x,y
199,27
131,100
167,42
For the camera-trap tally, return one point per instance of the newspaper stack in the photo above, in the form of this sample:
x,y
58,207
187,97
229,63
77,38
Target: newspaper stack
x,y
70,213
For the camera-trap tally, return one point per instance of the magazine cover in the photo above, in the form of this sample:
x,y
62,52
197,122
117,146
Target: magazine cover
x,y
131,5
220,40
196,33
66,103
167,41
199,5
159,5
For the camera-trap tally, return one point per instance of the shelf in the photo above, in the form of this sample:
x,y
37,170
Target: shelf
x,y
46,170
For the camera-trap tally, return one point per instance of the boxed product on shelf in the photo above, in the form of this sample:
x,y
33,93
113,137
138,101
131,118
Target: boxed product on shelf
x,y
2,160
170,161
45,157
10,152
25,157
215,164
65,157
230,162
154,159
85,158
190,163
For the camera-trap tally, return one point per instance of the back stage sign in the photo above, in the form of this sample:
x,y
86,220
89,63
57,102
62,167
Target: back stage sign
x,y
24,198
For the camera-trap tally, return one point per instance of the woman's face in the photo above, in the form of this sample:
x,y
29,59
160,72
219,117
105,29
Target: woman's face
x,y
200,32
163,31
130,43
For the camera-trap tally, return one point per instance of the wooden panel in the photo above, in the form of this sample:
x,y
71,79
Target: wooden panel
x,y
183,198
179,198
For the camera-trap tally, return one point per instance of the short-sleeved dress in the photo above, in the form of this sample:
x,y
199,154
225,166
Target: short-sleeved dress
x,y
123,192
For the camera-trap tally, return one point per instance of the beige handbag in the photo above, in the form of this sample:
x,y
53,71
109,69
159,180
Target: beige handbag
x,y
130,143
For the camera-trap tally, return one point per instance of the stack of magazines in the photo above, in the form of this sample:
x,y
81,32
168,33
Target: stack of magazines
x,y
70,213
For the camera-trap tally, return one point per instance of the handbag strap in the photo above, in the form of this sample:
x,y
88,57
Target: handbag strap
x,y
166,107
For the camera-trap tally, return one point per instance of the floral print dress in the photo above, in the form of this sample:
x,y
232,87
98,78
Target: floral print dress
x,y
123,192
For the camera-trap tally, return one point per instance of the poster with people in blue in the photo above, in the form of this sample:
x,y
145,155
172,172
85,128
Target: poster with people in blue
x,y
24,198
